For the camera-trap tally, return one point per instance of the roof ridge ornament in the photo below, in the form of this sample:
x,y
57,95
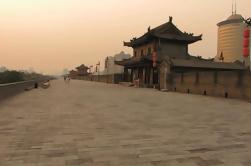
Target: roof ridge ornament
x,y
149,29
170,19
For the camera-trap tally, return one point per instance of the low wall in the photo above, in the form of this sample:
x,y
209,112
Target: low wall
x,y
8,90
232,84
112,79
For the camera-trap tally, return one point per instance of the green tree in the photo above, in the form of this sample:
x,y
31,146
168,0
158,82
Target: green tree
x,y
10,77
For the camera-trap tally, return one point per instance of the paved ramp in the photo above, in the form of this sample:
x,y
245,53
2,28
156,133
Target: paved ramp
x,y
93,124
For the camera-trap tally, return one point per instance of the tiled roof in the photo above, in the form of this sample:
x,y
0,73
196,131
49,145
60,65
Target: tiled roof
x,y
193,62
166,31
206,64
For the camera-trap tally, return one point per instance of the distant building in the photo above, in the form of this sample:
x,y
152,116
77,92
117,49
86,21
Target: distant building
x,y
163,52
230,40
82,70
73,74
111,67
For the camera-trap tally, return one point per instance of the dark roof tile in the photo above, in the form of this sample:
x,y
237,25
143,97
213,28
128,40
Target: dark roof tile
x,y
166,31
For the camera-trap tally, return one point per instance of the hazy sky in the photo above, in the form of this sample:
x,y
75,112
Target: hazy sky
x,y
50,35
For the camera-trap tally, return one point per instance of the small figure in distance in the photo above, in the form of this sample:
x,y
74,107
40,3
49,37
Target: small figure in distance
x,y
67,79
136,82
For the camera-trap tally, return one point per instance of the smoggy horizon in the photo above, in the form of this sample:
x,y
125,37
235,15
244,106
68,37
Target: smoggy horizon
x,y
51,35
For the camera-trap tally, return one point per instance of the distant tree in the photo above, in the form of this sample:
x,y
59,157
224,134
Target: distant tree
x,y
10,77
2,69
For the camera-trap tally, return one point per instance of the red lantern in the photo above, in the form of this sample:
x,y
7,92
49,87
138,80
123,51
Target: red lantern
x,y
245,42
246,52
246,33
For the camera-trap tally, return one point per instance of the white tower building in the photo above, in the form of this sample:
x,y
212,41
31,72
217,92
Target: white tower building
x,y
111,67
230,39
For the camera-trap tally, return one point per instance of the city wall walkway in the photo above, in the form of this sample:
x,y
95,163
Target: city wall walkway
x,y
94,124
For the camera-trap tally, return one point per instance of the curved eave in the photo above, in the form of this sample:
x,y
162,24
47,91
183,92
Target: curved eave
x,y
139,41
144,40
79,68
132,62
184,38
121,63
126,62
128,44
195,39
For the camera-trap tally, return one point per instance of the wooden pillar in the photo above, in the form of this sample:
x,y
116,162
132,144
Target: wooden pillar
x,y
162,78
147,76
151,76
125,74
144,76
132,72
164,70
136,74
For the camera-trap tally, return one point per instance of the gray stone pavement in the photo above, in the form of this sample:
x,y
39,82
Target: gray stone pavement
x,y
94,124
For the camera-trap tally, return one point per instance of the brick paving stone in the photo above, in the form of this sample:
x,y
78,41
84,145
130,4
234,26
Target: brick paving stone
x,y
95,124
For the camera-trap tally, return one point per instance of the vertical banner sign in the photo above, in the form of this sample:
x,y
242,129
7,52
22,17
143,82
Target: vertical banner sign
x,y
246,43
249,48
249,51
154,56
